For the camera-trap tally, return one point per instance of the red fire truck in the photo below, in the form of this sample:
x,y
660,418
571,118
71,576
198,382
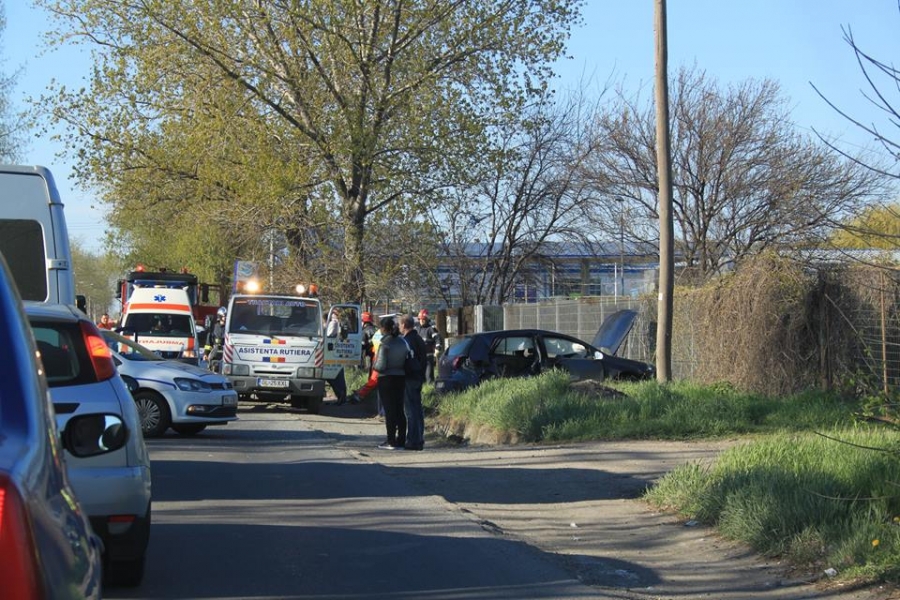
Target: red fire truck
x,y
205,298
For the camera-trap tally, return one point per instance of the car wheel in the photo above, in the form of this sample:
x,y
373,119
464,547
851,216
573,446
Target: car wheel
x,y
126,573
188,429
154,413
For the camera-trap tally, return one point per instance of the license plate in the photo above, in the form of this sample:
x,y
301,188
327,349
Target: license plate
x,y
229,400
439,385
274,383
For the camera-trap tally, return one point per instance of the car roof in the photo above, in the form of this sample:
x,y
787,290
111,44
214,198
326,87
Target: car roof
x,y
46,310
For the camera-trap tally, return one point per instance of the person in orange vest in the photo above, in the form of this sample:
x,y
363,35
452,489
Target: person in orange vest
x,y
371,384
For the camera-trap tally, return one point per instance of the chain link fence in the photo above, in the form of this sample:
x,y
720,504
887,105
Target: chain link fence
x,y
776,330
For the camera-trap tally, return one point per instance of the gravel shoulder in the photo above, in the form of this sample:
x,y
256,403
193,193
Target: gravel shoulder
x,y
581,503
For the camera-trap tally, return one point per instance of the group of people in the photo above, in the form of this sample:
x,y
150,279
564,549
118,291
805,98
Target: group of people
x,y
386,348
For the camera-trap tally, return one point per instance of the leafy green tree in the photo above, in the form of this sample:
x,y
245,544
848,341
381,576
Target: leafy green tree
x,y
95,279
10,138
875,227
307,117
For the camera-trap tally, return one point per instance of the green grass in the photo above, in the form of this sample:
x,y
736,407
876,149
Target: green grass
x,y
808,483
818,501
546,408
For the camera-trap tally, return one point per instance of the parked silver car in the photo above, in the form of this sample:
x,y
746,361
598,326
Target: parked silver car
x,y
47,546
114,488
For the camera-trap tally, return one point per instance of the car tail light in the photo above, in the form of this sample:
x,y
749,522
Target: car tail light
x,y
458,363
18,563
101,356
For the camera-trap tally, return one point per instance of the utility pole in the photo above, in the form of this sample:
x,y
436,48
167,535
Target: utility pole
x,y
666,227
622,242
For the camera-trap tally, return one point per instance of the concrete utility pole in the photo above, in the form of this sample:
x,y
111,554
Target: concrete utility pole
x,y
666,227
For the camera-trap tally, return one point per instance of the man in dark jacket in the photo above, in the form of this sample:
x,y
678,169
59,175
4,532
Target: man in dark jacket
x,y
368,340
433,343
412,401
212,351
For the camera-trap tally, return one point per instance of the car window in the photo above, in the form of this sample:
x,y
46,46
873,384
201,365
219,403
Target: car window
x,y
159,324
564,348
459,347
514,346
62,351
22,243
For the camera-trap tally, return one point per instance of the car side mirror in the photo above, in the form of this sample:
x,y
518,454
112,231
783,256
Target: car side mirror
x,y
598,355
94,434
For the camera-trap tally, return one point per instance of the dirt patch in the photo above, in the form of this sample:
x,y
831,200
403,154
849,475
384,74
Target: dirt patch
x,y
596,388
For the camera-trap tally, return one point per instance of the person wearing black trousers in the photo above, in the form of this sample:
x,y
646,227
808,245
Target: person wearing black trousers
x,y
389,364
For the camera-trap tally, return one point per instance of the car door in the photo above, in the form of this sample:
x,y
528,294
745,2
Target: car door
x,y
345,350
515,355
572,355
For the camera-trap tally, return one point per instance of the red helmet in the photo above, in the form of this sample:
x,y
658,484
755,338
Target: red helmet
x,y
423,314
367,317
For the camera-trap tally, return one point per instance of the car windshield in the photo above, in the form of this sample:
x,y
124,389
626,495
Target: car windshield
x,y
160,324
459,347
128,349
275,316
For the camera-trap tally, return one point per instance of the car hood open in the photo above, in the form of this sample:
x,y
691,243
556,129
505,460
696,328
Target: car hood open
x,y
613,330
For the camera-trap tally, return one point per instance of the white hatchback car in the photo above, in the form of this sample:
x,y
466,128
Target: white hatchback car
x,y
114,488
171,393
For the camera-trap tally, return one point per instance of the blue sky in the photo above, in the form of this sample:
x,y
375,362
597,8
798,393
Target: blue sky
x,y
792,41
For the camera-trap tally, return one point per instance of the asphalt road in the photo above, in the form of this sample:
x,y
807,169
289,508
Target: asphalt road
x,y
281,504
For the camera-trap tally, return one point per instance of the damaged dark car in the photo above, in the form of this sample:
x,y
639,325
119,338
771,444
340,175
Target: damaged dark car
x,y
477,357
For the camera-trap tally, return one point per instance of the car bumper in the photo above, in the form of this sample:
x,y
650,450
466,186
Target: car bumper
x,y
117,500
446,386
123,540
261,386
217,406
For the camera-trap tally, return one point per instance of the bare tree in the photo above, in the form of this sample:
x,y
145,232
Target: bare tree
x,y
877,227
503,218
882,79
744,179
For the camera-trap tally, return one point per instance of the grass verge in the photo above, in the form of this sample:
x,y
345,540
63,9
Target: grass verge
x,y
808,484
821,500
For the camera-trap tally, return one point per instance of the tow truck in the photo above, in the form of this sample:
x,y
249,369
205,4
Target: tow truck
x,y
275,347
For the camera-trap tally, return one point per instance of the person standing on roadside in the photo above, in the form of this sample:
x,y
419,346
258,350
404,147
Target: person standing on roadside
x,y
433,343
333,329
105,323
389,364
412,403
368,336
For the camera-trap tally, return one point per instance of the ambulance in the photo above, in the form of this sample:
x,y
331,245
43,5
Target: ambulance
x,y
160,318
276,350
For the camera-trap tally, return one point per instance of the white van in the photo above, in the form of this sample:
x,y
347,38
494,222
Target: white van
x,y
160,319
33,234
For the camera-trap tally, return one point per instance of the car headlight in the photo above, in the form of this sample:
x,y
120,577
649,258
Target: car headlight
x,y
306,372
192,385
232,369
